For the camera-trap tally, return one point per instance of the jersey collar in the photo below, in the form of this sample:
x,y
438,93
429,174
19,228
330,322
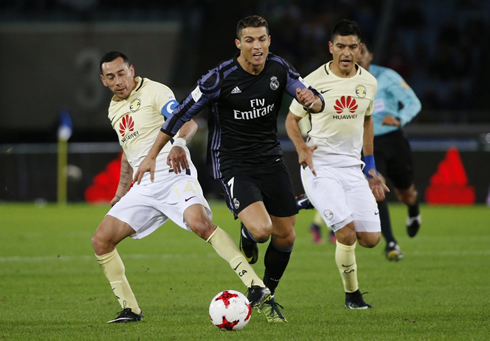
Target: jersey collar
x,y
139,83
329,72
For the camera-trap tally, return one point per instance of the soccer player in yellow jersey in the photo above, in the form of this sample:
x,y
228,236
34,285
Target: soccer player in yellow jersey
x,y
137,111
332,169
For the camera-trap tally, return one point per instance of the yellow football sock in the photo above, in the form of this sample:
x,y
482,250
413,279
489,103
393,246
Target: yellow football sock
x,y
113,268
227,249
345,257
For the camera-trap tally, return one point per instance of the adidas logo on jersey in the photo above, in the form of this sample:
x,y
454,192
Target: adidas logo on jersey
x,y
236,90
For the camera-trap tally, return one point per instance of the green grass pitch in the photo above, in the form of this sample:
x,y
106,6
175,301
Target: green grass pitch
x,y
51,287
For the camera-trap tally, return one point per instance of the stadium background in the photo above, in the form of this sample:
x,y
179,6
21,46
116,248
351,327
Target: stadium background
x,y
50,51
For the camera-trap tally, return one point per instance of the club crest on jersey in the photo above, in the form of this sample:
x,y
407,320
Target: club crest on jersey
x,y
274,83
236,203
328,214
361,91
135,105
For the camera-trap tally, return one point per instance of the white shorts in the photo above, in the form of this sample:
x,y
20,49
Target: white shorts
x,y
342,195
146,207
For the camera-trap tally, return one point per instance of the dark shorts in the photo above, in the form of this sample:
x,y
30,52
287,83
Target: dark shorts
x,y
393,158
274,189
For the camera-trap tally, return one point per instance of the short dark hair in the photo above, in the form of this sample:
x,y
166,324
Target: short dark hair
x,y
251,21
367,43
345,27
110,56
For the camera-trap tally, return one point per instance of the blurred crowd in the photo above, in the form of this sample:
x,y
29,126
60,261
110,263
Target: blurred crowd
x,y
438,46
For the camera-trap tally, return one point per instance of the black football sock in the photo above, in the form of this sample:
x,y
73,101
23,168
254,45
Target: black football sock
x,y
414,210
275,261
384,216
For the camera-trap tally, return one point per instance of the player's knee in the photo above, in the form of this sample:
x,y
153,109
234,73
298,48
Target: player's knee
x,y
346,235
407,196
368,240
346,239
262,238
202,227
261,232
101,246
288,239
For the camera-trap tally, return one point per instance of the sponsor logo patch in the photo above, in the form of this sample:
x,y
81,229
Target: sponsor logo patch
x,y
328,214
345,102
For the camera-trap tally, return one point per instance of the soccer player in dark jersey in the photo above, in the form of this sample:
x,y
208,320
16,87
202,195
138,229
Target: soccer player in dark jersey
x,y
244,95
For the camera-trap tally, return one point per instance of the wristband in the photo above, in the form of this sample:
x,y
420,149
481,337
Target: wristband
x,y
179,142
369,164
309,107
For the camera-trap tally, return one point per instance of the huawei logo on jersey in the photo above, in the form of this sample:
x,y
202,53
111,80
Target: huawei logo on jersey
x,y
345,102
126,126
126,129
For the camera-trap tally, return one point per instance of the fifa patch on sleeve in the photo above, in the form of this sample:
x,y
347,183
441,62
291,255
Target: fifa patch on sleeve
x,y
303,82
379,106
169,108
196,94
404,84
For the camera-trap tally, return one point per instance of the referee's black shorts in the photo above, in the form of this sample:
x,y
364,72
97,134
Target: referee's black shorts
x,y
393,158
273,188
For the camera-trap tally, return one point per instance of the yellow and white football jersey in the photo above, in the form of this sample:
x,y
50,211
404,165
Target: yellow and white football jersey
x,y
338,130
138,119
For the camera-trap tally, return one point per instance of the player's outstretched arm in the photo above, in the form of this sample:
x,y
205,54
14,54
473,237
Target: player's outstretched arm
x,y
148,164
309,100
377,185
305,153
177,158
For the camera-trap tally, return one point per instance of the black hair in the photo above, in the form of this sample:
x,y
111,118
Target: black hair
x,y
251,21
345,27
110,56
367,43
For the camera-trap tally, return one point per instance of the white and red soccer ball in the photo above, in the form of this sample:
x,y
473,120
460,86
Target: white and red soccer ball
x,y
230,310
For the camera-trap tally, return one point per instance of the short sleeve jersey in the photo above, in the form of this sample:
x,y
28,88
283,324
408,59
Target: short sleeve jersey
x,y
338,130
242,122
137,121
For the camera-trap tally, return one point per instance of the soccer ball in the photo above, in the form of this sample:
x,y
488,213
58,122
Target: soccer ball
x,y
230,310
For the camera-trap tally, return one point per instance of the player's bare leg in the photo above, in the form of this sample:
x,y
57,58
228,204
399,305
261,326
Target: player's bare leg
x,y
257,220
409,197
368,239
256,227
110,232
